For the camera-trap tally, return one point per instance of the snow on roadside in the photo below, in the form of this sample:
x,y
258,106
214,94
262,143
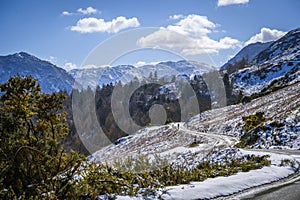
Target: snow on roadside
x,y
224,186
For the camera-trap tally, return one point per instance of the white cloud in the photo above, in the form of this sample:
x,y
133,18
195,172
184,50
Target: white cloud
x,y
91,24
231,2
52,59
266,35
175,17
66,13
87,11
81,11
189,36
69,66
143,63
140,63
193,25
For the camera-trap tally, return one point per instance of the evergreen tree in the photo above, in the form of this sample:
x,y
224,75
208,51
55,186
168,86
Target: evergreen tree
x,y
32,124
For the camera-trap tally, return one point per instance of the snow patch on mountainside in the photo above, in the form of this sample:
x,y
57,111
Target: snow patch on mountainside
x,y
254,79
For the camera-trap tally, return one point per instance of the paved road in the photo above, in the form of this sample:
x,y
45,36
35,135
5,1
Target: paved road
x,y
287,192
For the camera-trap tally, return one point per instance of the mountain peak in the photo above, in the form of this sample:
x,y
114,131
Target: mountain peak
x,y
22,55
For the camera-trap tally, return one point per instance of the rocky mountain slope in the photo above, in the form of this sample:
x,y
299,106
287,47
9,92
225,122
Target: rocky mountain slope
x,y
280,127
50,77
276,66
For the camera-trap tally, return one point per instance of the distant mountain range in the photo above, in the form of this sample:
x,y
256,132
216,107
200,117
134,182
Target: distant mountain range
x,y
125,73
53,79
266,62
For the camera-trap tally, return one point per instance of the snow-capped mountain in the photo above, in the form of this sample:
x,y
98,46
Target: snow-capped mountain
x,y
50,77
125,73
278,65
86,77
249,52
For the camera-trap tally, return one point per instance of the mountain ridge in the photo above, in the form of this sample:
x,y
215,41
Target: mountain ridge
x,y
50,77
249,52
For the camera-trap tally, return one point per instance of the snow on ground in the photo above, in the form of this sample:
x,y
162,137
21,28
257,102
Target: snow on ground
x,y
224,186
253,80
182,147
274,63
164,140
281,107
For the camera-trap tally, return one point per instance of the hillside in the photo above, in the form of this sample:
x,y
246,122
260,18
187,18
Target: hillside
x,y
50,77
280,108
212,137
281,60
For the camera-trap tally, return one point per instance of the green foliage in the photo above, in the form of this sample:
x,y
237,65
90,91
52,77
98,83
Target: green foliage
x,y
252,121
31,125
287,162
252,124
195,143
141,163
171,175
97,179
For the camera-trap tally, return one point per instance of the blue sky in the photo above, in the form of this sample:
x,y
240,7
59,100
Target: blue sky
x,y
65,32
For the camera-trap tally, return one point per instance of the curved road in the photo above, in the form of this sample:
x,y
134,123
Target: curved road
x,y
216,140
